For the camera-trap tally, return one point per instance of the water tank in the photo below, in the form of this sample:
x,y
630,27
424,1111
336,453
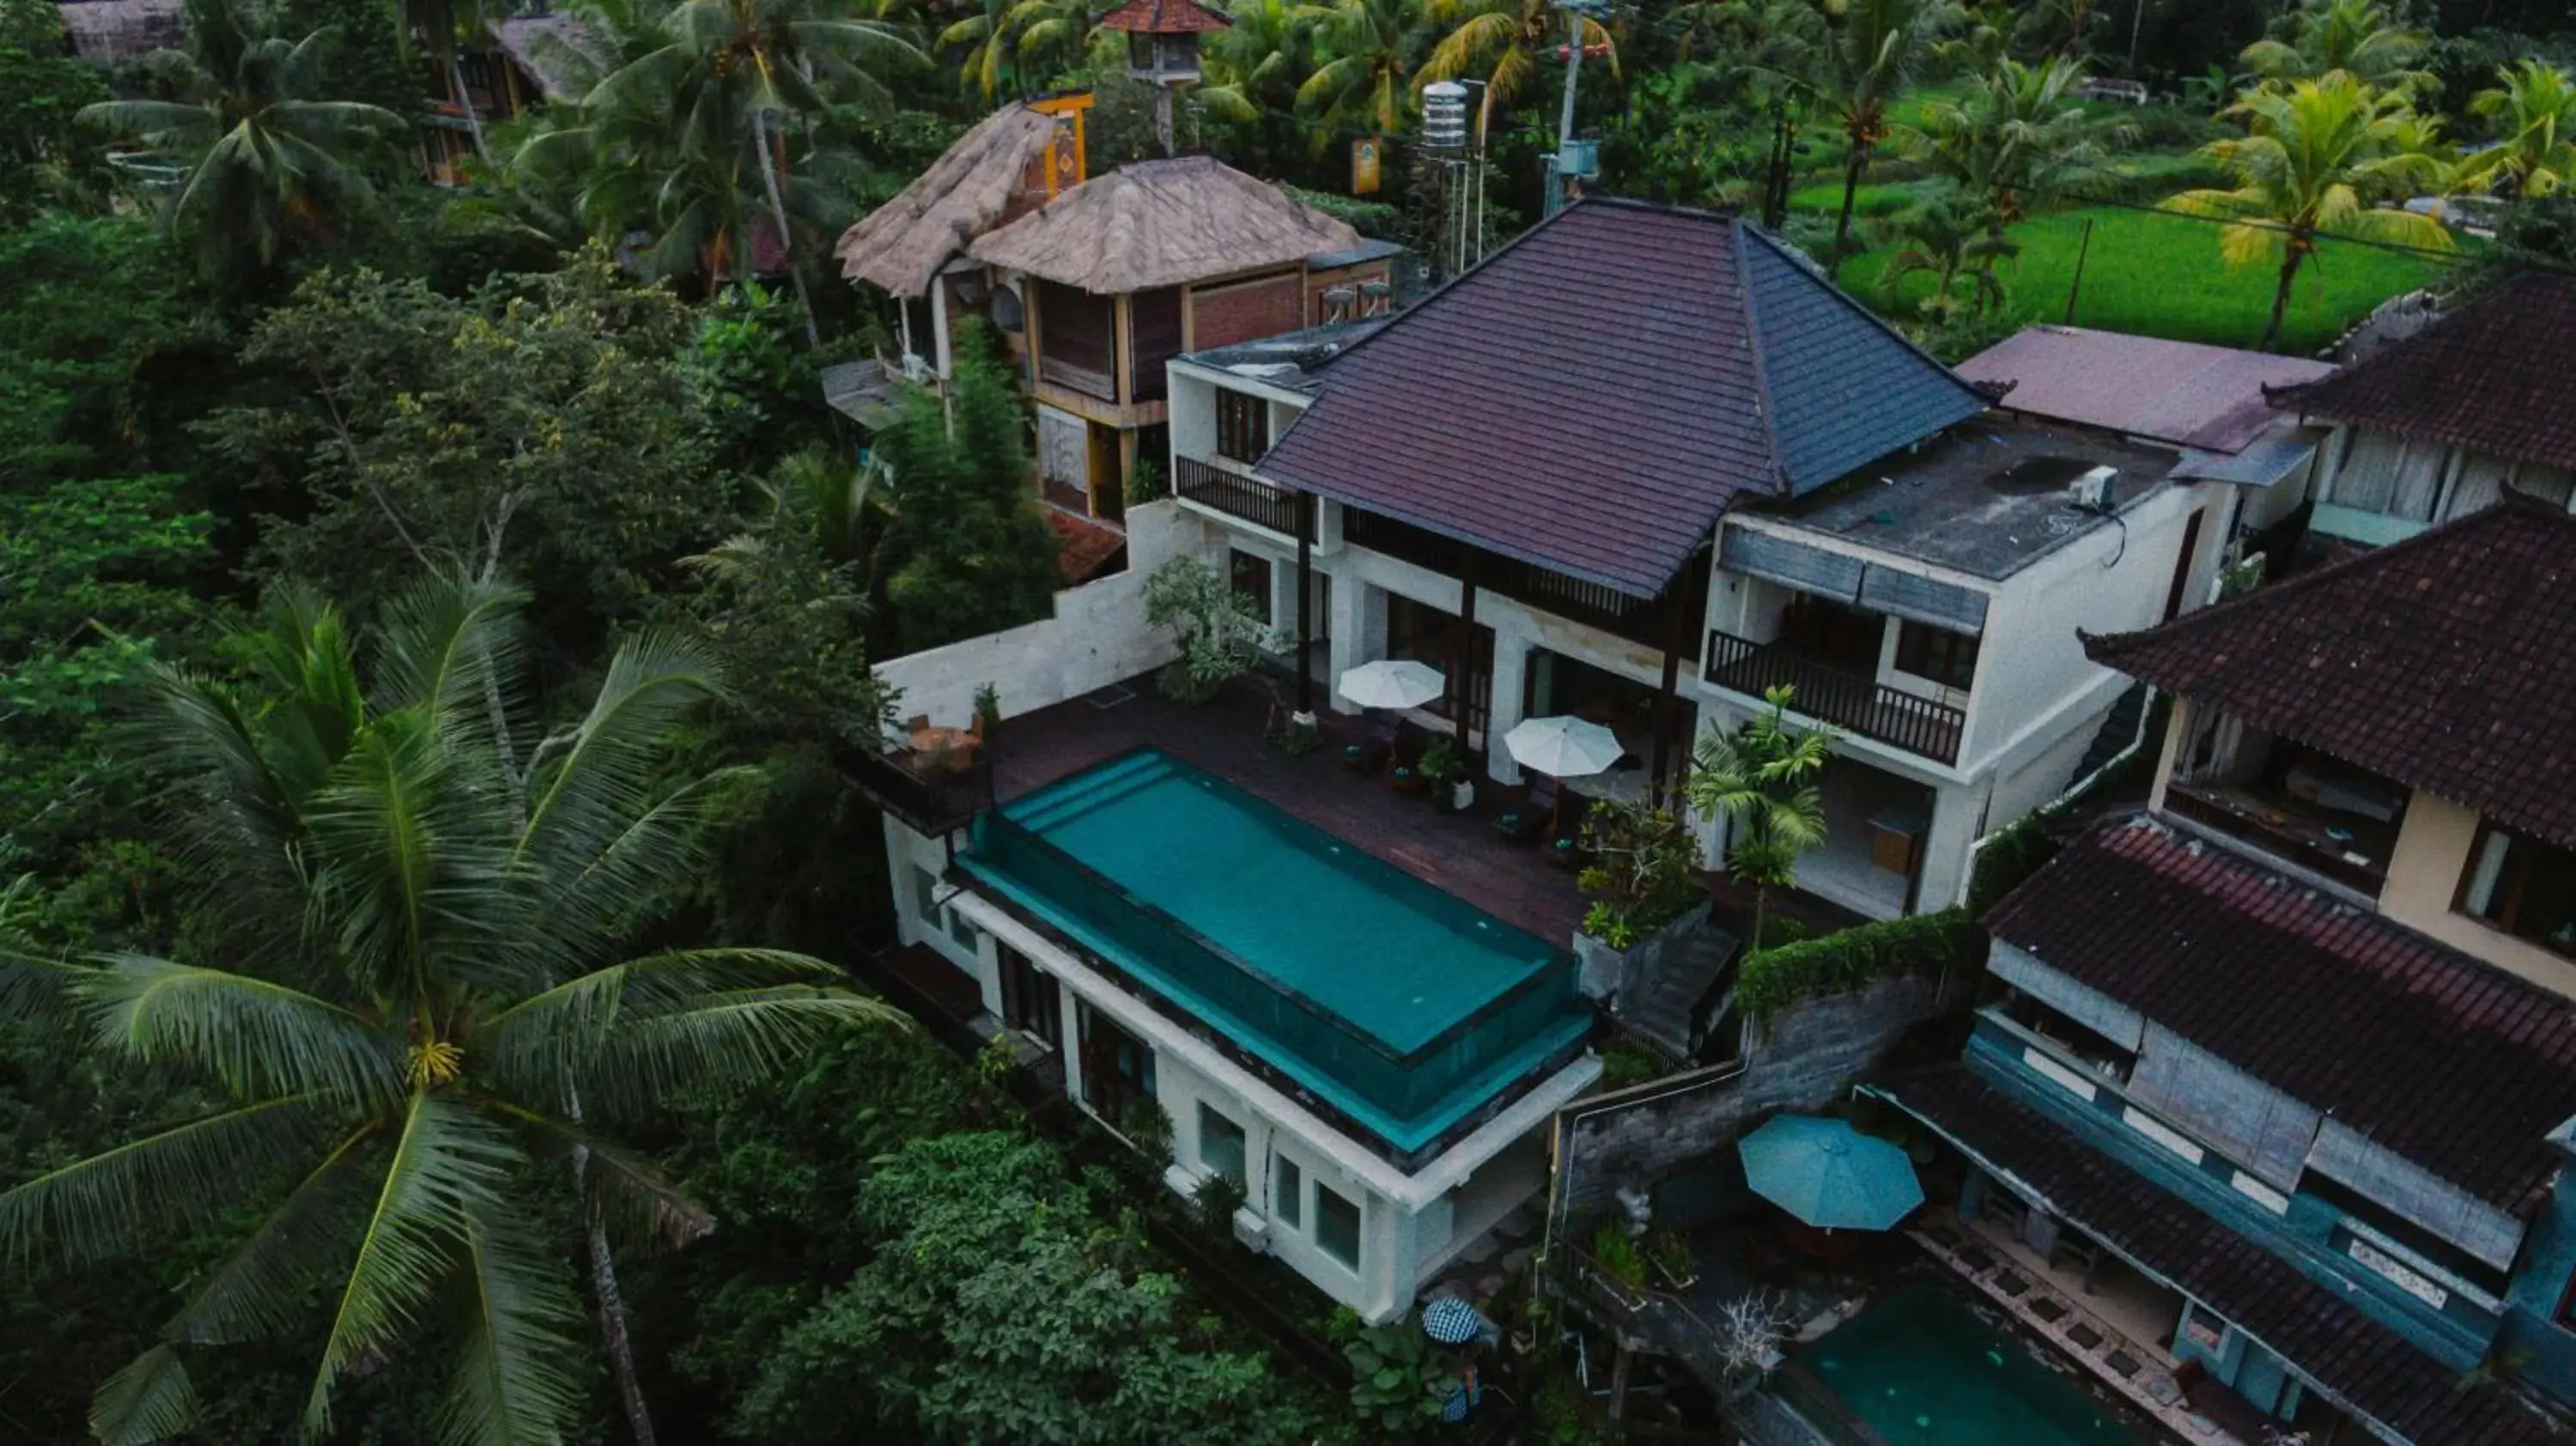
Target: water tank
x,y
1580,160
1444,116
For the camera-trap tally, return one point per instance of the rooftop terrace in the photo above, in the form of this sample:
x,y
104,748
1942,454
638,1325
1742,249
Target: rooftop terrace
x,y
1987,497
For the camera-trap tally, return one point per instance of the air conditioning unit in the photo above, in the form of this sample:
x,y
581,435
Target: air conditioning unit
x,y
2092,491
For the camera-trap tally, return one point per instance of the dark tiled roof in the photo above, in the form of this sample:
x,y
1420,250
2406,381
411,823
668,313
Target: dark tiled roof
x,y
1163,17
2453,1064
2370,1368
1593,396
2492,376
2446,662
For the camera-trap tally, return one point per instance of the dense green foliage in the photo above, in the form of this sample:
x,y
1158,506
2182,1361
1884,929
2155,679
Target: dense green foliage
x,y
1850,959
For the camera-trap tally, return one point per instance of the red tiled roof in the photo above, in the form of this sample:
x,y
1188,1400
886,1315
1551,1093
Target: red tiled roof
x,y
1595,394
2493,376
2369,1368
2446,662
1164,17
2453,1064
1087,546
2210,397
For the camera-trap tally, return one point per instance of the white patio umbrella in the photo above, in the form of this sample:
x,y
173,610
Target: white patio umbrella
x,y
1562,748
1392,683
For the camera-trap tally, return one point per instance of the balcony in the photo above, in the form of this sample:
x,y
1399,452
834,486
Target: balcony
x,y
1236,495
1858,705
934,794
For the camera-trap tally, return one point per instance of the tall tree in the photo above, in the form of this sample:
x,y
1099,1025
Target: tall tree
x,y
267,164
2361,38
2315,158
412,990
1504,39
1949,238
2533,109
1763,778
1878,51
1011,45
1365,82
42,86
968,552
2009,129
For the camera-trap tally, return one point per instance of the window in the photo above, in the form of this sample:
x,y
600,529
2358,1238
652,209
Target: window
x,y
925,896
2385,1224
1117,1071
1337,1225
1287,1192
2524,887
1945,657
1032,1002
1250,574
2098,1052
1220,1144
1242,425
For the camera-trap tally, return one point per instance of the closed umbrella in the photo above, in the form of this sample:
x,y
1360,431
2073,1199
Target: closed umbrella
x,y
1828,1174
1392,683
1452,1321
1562,748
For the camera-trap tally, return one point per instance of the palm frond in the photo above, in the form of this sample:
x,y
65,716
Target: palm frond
x,y
149,1400
263,1284
539,1045
636,1202
590,784
184,1176
447,1166
722,1041
512,1384
257,1037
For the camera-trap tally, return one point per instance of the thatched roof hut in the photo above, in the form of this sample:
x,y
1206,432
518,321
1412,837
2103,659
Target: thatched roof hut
x,y
112,32
1162,223
550,50
970,189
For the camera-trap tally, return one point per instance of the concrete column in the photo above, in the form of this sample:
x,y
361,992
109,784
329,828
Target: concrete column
x,y
1945,845
1511,677
1389,1257
1350,634
1072,1051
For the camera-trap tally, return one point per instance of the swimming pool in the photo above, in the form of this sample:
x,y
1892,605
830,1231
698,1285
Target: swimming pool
x,y
1400,1005
1923,1370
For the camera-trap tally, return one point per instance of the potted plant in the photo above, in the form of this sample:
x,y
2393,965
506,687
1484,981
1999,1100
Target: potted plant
x,y
1618,1259
988,709
1672,1258
1444,772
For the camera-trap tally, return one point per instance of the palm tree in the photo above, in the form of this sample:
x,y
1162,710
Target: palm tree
x,y
1009,42
1950,238
1879,48
2013,128
2358,37
2534,108
267,164
1763,777
413,991
1503,38
2315,156
1365,83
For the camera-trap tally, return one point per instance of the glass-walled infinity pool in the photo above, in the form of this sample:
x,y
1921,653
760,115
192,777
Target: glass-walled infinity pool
x,y
1401,1006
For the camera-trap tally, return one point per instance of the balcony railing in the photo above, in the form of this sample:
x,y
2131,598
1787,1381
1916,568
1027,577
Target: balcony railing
x,y
2289,837
1639,620
1236,495
933,794
1871,709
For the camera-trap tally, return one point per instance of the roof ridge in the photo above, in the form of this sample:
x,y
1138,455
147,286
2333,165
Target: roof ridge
x,y
2200,620
2381,359
1761,362
1834,288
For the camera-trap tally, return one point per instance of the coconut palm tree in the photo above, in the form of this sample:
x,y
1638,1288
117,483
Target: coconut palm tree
x,y
1366,82
739,79
2358,37
1950,238
1504,39
1009,44
1879,49
1763,779
2316,155
2534,110
2012,128
412,991
267,164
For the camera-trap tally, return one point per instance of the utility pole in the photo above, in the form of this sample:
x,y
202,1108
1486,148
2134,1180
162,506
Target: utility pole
x,y
1561,184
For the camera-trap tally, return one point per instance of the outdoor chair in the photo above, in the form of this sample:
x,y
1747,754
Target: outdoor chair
x,y
1367,749
1524,819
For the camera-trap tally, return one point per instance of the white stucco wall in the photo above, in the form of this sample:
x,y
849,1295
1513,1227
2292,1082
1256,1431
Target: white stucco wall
x,y
1096,636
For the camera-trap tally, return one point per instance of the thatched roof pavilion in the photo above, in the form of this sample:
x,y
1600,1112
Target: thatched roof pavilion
x,y
1162,223
971,188
552,50
112,32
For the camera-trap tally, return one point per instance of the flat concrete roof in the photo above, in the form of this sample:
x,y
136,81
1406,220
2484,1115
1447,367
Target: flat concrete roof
x,y
1987,497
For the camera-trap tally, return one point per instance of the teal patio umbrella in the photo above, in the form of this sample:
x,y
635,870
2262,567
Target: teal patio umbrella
x,y
1828,1174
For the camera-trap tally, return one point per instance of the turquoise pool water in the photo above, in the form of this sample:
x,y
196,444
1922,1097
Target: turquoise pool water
x,y
1403,1006
1923,1370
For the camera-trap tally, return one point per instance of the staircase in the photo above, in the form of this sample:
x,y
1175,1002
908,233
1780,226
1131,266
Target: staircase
x,y
2119,729
1665,1008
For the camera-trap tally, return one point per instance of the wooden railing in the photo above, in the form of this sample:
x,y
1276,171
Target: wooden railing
x,y
1074,377
934,796
1236,495
1861,705
2214,809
